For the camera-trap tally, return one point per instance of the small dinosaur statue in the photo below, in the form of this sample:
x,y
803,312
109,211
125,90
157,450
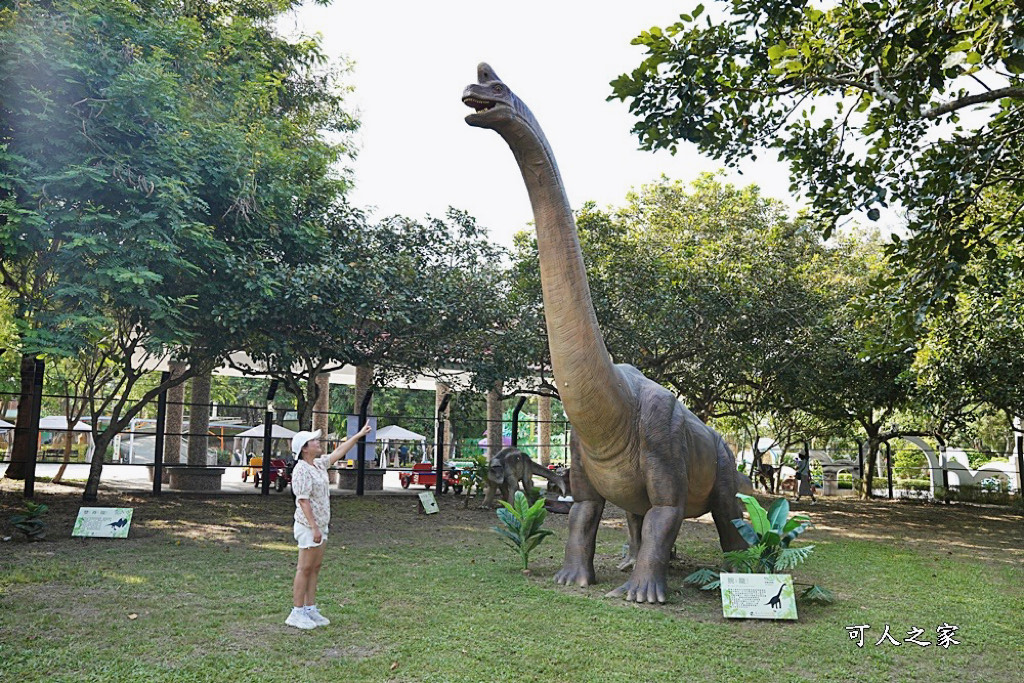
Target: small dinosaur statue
x,y
632,442
508,468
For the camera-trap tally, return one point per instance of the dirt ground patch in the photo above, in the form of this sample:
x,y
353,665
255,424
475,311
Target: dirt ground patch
x,y
987,532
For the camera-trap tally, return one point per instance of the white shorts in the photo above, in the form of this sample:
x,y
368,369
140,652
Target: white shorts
x,y
304,536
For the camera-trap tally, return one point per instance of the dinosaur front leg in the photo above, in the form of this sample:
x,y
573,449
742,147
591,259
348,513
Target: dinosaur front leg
x,y
647,582
635,524
578,566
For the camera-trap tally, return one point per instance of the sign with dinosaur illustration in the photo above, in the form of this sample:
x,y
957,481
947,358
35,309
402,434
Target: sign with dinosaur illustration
x,y
103,522
758,596
428,503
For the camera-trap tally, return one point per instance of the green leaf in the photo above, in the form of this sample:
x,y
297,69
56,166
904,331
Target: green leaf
x,y
778,512
818,594
775,52
791,557
794,522
508,536
746,531
701,577
510,520
1014,63
793,533
770,539
758,516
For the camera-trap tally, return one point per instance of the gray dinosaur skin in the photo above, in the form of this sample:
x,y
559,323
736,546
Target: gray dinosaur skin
x,y
632,443
508,468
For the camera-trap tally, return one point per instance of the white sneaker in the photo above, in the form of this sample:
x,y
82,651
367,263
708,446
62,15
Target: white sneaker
x,y
300,619
317,618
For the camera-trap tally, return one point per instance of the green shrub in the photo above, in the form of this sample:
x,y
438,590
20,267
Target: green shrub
x,y
522,526
769,533
913,484
29,523
473,478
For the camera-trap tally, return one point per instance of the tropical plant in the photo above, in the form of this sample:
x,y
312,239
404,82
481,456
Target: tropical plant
x,y
522,526
473,478
29,523
769,533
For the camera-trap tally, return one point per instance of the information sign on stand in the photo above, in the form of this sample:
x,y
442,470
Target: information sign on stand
x,y
103,522
758,596
428,503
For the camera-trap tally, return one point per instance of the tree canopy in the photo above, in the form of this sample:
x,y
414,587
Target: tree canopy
x,y
153,155
906,103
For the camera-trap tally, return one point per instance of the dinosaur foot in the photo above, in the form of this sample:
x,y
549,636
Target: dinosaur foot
x,y
649,590
579,576
626,565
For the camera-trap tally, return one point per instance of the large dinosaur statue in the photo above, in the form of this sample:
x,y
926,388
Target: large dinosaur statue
x,y
632,442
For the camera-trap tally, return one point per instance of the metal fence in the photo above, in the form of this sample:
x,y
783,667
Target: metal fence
x,y
148,455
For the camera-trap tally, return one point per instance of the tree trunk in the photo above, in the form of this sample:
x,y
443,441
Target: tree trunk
x,y
321,412
494,435
322,406
67,458
868,475
175,419
364,385
92,484
544,433
199,420
24,442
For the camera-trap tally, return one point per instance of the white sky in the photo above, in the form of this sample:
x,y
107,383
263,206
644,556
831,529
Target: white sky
x,y
417,156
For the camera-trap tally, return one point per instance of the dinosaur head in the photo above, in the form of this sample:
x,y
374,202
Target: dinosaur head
x,y
495,104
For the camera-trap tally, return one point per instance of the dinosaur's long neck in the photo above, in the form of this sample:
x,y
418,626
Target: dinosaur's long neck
x,y
589,387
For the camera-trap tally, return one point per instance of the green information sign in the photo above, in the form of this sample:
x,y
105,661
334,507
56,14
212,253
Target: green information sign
x,y
103,522
758,596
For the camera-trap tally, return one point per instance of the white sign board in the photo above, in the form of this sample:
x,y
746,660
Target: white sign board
x,y
428,502
103,522
758,596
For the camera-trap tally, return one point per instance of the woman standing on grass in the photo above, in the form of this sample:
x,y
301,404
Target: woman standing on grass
x,y
311,487
803,475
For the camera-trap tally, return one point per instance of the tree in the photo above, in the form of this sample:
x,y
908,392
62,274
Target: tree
x,y
913,103
853,371
154,156
401,295
969,361
699,288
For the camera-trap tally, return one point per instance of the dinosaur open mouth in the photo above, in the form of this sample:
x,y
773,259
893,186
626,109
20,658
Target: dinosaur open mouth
x,y
478,104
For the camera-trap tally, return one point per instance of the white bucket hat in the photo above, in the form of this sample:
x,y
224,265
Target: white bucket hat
x,y
301,439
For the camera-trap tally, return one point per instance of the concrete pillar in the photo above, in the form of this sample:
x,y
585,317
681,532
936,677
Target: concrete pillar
x,y
544,433
441,390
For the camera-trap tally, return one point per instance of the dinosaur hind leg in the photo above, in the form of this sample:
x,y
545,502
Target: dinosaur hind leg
x,y
635,523
725,506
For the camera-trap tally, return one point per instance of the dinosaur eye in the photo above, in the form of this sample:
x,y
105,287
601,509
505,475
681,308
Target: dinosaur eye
x,y
498,87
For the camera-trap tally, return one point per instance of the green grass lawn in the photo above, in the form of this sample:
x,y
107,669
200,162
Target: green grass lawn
x,y
201,588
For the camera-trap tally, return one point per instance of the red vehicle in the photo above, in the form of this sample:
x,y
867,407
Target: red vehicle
x,y
423,474
279,475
